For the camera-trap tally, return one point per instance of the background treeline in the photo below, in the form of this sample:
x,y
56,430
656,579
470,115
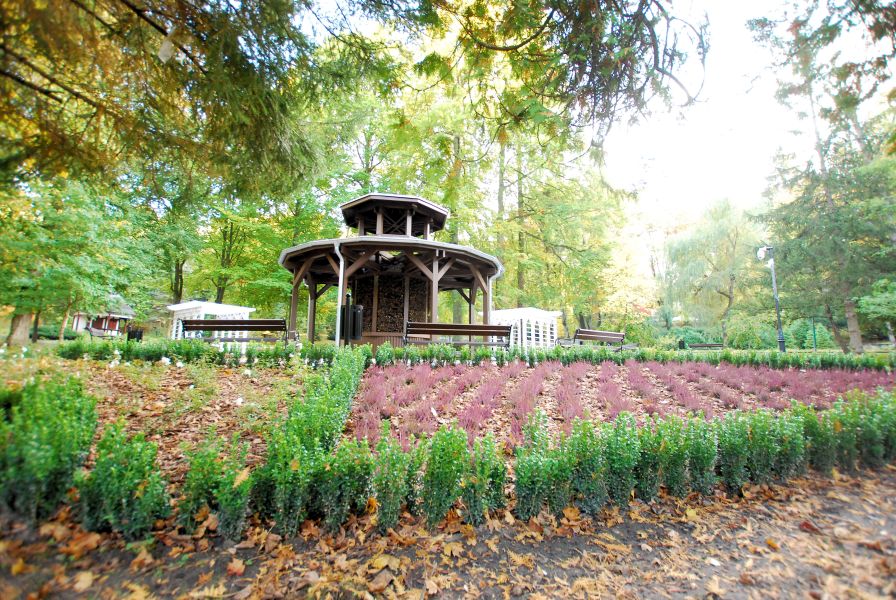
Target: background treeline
x,y
142,155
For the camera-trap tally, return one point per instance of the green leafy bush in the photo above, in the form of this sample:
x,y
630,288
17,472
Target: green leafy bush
x,y
125,491
560,465
845,424
483,483
818,433
291,466
532,467
791,457
390,480
343,484
416,464
702,451
445,466
385,354
763,446
46,439
871,434
734,450
233,490
200,483
888,423
623,452
673,455
589,470
647,471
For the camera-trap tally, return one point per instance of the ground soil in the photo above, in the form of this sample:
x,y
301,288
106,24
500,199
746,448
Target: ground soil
x,y
813,537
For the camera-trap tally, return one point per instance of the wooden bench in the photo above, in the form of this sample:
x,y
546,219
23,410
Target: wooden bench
x,y
434,330
261,325
605,337
102,333
704,346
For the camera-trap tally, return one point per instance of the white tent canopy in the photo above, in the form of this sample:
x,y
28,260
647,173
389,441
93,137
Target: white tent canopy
x,y
197,309
532,327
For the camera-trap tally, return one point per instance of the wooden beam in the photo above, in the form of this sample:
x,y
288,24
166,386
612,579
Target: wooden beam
x,y
293,308
333,264
463,295
479,278
379,221
435,291
321,291
302,271
407,293
312,307
444,270
419,264
360,225
365,258
409,221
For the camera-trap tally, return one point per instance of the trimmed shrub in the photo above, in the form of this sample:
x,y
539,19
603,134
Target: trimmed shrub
x,y
531,468
483,483
589,470
818,436
623,452
445,466
46,439
200,484
343,485
560,465
845,423
673,455
734,452
702,450
233,490
125,491
763,446
647,471
287,476
791,457
416,464
390,480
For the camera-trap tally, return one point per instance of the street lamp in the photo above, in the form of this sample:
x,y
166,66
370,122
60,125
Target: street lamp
x,y
761,254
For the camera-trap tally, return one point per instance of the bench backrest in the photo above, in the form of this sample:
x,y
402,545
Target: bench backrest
x,y
416,328
593,335
234,324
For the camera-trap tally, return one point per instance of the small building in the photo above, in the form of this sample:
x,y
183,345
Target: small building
x,y
198,309
532,327
392,266
111,321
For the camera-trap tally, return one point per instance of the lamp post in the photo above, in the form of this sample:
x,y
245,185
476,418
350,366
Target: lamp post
x,y
761,254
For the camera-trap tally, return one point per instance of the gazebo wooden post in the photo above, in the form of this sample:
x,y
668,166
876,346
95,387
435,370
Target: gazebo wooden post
x,y
434,279
312,308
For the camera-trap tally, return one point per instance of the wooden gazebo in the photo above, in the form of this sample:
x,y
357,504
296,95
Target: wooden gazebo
x,y
392,266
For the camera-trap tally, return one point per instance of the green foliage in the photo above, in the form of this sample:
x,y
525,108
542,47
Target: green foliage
x,y
673,455
734,450
385,354
200,483
483,483
233,491
702,450
417,460
647,471
589,472
543,474
125,491
622,452
764,446
287,476
343,482
390,480
820,441
45,440
845,421
445,467
747,333
789,431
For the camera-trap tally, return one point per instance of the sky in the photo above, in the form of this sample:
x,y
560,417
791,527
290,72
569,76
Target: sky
x,y
724,146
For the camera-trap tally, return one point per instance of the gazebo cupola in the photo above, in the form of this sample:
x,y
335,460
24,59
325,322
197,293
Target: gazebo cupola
x,y
392,266
390,214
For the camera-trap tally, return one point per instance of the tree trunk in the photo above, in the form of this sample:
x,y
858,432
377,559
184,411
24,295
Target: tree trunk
x,y
838,334
852,325
219,293
34,332
177,283
520,240
890,335
729,295
502,161
18,329
65,316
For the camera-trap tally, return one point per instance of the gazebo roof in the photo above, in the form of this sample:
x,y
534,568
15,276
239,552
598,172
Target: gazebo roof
x,y
210,308
380,248
366,206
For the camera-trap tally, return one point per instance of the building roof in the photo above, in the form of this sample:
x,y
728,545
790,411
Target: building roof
x,y
366,206
210,308
527,312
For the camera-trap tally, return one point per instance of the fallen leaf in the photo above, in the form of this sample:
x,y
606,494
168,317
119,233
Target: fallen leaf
x,y
81,544
138,592
809,526
236,567
453,549
691,514
143,559
241,477
82,581
431,587
19,567
772,544
216,591
57,531
521,560
380,582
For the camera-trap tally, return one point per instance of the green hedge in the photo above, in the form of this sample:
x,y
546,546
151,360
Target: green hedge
x,y
186,351
444,354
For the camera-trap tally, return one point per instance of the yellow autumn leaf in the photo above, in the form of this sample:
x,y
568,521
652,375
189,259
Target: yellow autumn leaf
x,y
241,477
